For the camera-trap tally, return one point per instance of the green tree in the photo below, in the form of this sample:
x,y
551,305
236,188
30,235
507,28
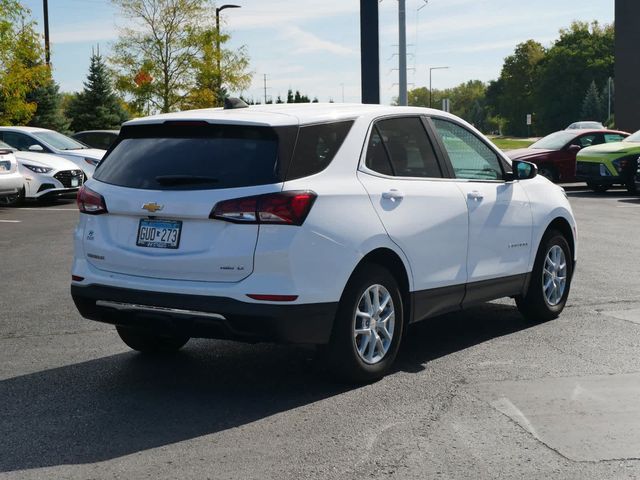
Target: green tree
x,y
514,96
21,66
96,107
48,101
592,106
297,97
584,53
417,97
175,44
467,100
212,84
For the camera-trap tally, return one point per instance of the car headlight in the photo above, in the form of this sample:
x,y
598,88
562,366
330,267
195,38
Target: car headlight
x,y
621,164
37,169
91,161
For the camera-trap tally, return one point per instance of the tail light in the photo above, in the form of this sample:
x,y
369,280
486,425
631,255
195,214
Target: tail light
x,y
90,202
283,208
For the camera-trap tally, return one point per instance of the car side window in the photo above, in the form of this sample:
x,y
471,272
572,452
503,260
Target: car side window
x,y
470,157
377,158
18,140
316,147
402,146
613,137
587,140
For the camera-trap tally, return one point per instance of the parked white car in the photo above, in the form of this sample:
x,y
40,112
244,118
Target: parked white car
x,y
41,140
10,178
329,224
46,176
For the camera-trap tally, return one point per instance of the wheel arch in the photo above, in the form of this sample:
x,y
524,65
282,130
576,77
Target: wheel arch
x,y
563,226
392,261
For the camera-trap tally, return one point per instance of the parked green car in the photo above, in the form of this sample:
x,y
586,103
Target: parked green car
x,y
609,164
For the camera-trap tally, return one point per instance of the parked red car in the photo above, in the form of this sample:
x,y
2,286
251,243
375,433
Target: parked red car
x,y
555,154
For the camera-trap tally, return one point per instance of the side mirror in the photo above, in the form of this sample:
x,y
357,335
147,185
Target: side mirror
x,y
36,148
574,148
522,170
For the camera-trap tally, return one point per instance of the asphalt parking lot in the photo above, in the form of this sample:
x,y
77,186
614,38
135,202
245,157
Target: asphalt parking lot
x,y
479,394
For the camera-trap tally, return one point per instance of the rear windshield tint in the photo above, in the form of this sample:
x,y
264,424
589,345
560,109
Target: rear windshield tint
x,y
197,157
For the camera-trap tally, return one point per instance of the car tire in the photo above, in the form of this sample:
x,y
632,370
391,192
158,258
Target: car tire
x,y
147,342
366,356
553,268
549,173
597,188
633,179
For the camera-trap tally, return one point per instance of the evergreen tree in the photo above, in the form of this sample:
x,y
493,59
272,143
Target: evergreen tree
x,y
96,107
592,104
48,112
297,98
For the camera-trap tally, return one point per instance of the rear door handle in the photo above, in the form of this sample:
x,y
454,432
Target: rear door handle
x,y
475,195
393,194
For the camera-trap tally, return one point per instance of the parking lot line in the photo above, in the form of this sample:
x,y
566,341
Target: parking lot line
x,y
10,221
628,206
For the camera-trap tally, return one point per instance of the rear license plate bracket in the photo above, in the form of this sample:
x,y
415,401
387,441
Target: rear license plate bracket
x,y
159,233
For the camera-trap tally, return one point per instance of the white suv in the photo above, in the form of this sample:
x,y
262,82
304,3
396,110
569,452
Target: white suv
x,y
336,225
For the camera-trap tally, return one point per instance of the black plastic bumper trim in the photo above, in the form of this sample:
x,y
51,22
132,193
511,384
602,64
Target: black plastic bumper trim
x,y
191,315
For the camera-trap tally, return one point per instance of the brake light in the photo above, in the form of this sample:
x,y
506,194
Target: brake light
x,y
90,202
283,208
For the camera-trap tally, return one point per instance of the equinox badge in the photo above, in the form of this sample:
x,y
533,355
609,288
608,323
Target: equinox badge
x,y
152,207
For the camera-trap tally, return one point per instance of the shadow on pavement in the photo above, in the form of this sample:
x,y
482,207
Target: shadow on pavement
x,y
126,403
613,193
633,201
441,336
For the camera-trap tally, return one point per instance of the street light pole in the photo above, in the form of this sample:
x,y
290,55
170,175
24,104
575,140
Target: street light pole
x,y
47,51
218,53
402,54
430,93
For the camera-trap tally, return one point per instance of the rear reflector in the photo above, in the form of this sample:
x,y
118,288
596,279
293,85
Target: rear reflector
x,y
273,298
76,278
283,208
90,202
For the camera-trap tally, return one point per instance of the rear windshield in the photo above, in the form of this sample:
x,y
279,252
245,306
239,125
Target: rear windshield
x,y
183,156
195,157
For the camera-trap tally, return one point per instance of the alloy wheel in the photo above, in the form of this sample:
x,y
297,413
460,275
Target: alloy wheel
x,y
554,276
373,324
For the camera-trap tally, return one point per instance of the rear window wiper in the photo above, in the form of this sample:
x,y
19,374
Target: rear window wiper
x,y
170,180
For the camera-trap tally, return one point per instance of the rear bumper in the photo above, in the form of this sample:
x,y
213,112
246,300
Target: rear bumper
x,y
206,316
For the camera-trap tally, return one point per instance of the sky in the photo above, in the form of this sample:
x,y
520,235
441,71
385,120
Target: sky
x,y
314,45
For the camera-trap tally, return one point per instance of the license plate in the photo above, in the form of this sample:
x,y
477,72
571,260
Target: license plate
x,y
159,233
74,182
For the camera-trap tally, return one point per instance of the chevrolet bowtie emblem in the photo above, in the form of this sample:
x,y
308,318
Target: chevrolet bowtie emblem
x,y
152,207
